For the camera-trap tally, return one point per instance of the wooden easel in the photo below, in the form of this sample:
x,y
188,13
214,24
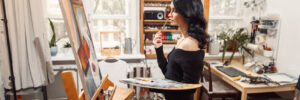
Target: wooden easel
x,y
117,93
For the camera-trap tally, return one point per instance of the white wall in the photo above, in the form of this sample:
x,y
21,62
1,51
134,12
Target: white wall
x,y
289,43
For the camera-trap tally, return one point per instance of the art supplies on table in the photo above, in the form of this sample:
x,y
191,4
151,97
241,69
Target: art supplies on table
x,y
161,84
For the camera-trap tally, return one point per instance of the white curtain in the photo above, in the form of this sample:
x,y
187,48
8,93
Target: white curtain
x,y
3,53
27,26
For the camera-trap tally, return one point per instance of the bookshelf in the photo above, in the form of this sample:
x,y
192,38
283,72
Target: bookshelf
x,y
145,31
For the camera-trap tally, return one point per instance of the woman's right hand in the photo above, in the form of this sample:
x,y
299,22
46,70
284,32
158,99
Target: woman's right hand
x,y
157,40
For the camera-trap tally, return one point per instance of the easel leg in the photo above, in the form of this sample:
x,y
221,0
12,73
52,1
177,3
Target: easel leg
x,y
45,95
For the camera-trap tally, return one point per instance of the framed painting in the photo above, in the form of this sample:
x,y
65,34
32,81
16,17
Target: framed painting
x,y
82,46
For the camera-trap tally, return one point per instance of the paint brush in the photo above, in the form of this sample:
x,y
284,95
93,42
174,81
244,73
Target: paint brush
x,y
164,25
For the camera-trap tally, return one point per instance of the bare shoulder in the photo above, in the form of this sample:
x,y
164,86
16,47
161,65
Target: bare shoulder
x,y
190,44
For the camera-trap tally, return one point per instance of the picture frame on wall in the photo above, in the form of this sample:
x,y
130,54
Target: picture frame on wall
x,y
82,46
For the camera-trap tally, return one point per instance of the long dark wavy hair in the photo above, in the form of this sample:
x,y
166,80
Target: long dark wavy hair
x,y
192,11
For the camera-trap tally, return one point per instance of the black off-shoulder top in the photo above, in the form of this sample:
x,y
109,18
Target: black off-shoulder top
x,y
181,66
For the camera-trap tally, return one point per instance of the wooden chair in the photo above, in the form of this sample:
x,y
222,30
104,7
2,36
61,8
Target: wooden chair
x,y
117,93
216,87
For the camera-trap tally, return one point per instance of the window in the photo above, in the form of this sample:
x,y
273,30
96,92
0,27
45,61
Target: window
x,y
104,15
225,14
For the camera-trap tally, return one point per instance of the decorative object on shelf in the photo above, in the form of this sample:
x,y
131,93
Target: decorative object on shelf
x,y
158,26
129,44
53,41
237,38
155,13
66,50
67,45
54,51
214,46
111,44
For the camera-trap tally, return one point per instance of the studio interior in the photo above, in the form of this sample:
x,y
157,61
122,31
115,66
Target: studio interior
x,y
149,50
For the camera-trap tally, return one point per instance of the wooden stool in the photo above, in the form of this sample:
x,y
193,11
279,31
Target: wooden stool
x,y
117,93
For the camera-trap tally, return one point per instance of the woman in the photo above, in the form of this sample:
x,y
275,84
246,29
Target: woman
x,y
185,61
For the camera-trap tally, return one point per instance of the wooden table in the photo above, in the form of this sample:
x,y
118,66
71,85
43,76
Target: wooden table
x,y
246,88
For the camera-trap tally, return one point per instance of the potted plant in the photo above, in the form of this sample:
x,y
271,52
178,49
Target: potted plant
x,y
53,41
226,38
67,48
67,45
237,39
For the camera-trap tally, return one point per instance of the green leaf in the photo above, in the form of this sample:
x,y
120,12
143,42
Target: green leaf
x,y
225,47
248,51
67,45
240,38
232,55
53,38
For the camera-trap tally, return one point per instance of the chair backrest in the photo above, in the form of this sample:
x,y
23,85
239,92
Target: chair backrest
x,y
207,65
69,85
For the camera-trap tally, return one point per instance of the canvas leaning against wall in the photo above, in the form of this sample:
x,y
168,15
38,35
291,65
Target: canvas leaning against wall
x,y
82,45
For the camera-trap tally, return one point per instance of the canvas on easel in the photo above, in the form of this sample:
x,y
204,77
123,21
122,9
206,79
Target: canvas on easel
x,y
82,46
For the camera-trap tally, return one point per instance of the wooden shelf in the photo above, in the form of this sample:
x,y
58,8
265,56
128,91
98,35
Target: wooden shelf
x,y
225,18
154,21
153,55
155,6
150,30
158,0
164,41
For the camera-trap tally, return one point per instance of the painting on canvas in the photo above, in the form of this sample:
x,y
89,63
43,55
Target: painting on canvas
x,y
82,45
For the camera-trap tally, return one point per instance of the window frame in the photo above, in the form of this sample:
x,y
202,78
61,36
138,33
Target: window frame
x,y
131,14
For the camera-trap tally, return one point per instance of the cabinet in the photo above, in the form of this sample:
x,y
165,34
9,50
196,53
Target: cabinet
x,y
149,27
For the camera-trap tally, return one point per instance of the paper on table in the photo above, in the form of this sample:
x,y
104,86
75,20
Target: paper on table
x,y
281,78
